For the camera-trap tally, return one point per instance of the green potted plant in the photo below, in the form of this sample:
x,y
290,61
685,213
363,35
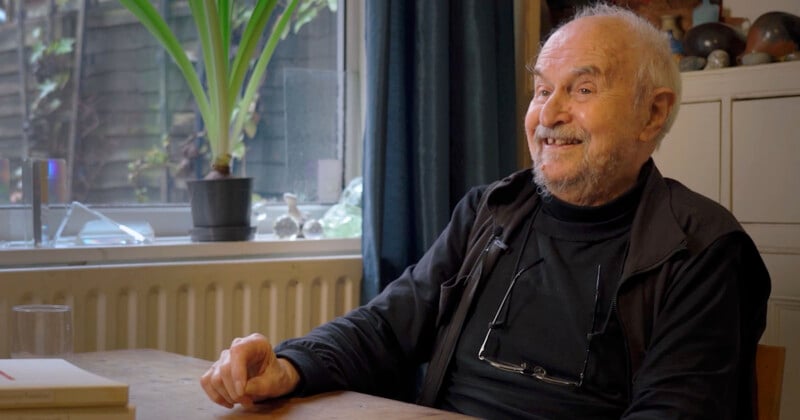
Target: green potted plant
x,y
234,70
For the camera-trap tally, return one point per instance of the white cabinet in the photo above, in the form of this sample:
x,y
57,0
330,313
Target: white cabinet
x,y
737,141
766,160
690,153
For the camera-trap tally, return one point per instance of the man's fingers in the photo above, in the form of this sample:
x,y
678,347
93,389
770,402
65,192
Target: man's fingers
x,y
262,387
226,382
279,378
213,395
213,385
221,379
246,402
243,353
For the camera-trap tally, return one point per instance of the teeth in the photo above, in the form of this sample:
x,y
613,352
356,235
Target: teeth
x,y
560,142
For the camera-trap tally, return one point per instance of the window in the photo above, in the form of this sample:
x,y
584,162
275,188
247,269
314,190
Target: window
x,y
104,100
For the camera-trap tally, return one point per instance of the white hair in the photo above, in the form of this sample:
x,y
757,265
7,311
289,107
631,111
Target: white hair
x,y
657,67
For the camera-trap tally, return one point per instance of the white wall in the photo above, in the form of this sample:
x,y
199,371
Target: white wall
x,y
752,9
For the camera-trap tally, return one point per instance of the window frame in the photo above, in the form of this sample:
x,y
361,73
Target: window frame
x,y
171,222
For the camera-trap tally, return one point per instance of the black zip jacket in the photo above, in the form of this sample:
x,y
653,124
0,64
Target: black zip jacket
x,y
691,302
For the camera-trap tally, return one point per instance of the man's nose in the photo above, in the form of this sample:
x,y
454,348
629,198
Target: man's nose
x,y
555,110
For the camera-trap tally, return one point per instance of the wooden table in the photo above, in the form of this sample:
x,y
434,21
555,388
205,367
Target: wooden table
x,y
167,386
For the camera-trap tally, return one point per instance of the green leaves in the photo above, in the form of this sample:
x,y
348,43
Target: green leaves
x,y
49,69
58,46
309,9
225,103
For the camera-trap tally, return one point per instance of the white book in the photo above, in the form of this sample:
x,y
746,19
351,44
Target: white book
x,y
55,383
71,413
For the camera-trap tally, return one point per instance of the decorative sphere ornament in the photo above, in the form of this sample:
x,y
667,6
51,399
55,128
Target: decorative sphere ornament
x,y
285,227
312,229
718,59
691,63
775,33
701,40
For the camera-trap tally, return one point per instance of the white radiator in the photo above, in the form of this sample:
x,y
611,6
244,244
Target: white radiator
x,y
194,308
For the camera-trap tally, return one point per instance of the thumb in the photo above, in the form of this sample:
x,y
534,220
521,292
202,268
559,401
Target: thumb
x,y
278,379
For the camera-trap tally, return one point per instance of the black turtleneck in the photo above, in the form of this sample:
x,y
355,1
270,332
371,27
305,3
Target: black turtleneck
x,y
550,311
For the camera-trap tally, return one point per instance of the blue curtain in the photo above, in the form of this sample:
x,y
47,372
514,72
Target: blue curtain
x,y
440,119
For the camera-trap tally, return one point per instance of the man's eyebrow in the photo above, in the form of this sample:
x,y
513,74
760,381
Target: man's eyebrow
x,y
537,74
587,70
590,70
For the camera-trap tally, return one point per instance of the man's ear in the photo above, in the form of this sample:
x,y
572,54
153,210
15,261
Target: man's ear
x,y
661,104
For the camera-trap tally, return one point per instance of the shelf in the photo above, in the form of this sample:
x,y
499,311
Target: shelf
x,y
744,82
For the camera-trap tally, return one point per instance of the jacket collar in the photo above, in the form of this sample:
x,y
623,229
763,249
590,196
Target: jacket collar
x,y
512,199
654,219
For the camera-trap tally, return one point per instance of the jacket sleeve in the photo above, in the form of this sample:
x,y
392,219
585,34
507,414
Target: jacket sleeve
x,y
700,362
371,348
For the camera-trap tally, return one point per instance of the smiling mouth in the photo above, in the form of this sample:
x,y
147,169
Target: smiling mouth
x,y
549,141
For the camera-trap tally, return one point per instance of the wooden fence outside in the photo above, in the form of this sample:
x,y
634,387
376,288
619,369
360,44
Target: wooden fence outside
x,y
130,97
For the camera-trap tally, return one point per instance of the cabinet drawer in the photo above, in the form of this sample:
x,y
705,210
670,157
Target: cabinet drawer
x,y
766,160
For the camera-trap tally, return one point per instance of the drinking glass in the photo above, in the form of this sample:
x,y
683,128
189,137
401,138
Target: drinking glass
x,y
41,331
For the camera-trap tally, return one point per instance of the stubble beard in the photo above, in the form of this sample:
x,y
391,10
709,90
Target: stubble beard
x,y
586,186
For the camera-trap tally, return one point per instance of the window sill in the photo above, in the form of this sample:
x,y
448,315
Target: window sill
x,y
176,249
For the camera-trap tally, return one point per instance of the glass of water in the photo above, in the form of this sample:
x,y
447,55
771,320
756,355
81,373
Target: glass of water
x,y
41,331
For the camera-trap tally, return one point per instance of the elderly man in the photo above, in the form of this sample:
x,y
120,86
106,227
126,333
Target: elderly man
x,y
590,287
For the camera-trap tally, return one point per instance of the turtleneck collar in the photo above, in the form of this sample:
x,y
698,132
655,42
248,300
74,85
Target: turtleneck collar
x,y
623,206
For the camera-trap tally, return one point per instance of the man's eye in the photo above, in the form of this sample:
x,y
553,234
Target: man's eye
x,y
542,92
585,91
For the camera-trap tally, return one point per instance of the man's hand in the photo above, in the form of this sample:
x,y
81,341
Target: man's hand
x,y
248,372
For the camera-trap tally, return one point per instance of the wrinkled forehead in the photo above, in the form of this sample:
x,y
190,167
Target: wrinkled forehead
x,y
591,42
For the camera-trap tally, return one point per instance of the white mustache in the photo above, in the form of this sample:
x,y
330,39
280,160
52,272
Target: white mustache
x,y
561,132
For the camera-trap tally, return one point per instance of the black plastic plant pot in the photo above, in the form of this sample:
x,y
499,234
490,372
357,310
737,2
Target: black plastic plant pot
x,y
221,209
